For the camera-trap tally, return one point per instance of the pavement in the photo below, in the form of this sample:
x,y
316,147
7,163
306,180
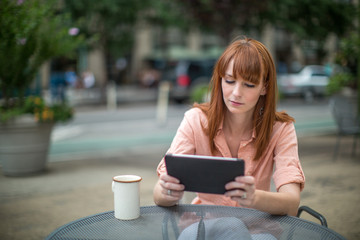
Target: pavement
x,y
31,207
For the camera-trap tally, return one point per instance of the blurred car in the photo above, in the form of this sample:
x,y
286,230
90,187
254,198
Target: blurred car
x,y
186,75
310,82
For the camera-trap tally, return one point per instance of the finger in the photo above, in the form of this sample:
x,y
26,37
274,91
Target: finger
x,y
235,185
242,201
168,178
235,193
172,193
172,186
245,179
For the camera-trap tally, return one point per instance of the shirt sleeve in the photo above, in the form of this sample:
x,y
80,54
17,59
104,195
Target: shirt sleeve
x,y
287,164
183,142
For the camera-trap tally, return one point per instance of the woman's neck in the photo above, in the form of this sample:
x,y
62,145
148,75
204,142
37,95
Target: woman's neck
x,y
238,125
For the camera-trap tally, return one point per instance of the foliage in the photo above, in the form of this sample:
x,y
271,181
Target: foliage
x,y
223,17
338,81
36,106
167,14
31,32
313,20
349,52
109,23
348,58
200,93
306,19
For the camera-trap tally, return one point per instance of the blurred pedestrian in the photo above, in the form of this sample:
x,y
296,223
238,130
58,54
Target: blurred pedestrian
x,y
88,79
57,87
149,76
241,121
71,77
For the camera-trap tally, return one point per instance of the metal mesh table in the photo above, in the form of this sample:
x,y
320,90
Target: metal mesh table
x,y
194,222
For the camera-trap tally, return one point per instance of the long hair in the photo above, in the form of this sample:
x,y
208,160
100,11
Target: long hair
x,y
253,62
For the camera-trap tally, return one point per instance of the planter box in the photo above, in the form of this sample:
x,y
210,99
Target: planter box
x,y
24,146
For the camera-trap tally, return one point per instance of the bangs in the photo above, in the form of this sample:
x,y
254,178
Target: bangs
x,y
247,63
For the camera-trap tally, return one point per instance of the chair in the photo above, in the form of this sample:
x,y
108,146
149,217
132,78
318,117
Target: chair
x,y
344,111
313,213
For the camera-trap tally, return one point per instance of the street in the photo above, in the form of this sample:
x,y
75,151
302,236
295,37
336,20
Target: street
x,y
97,132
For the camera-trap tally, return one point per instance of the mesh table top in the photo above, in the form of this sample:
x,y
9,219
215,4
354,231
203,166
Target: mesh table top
x,y
194,222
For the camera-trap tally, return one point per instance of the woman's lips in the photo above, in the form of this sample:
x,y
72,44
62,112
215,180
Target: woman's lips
x,y
235,103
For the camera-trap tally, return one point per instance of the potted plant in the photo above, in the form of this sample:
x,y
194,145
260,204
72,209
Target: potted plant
x,y
343,86
344,90
31,33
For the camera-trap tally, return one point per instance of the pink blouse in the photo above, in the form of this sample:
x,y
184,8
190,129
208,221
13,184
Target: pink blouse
x,y
280,160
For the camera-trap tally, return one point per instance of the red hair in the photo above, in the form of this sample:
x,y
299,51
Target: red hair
x,y
253,62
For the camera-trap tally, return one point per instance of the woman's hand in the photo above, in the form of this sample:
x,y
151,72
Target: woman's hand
x,y
168,191
242,190
285,201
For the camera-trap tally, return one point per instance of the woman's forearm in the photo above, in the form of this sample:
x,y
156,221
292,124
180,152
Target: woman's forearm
x,y
284,202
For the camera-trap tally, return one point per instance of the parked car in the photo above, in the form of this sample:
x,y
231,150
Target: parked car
x,y
186,75
310,82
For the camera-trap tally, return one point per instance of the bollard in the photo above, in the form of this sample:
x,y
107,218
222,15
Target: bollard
x,y
162,103
111,96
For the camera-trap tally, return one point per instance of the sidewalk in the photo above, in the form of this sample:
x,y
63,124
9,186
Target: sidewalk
x,y
32,207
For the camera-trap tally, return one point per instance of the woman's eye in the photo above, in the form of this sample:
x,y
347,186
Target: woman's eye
x,y
249,85
229,81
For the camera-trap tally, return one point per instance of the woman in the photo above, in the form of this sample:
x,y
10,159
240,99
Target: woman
x,y
241,121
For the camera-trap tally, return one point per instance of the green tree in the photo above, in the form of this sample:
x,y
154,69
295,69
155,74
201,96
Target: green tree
x,y
109,24
167,14
305,19
312,20
164,14
31,33
223,17
348,56
111,21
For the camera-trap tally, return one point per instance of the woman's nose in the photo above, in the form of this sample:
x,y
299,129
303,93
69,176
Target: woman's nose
x,y
237,91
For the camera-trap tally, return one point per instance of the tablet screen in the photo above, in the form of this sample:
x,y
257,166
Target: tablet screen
x,y
203,173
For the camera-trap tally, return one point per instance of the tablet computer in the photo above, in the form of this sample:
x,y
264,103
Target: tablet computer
x,y
203,173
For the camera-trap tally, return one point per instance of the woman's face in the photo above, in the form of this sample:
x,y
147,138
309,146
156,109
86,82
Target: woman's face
x,y
240,96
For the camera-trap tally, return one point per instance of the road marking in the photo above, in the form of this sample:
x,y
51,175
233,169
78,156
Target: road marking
x,y
315,125
109,143
62,133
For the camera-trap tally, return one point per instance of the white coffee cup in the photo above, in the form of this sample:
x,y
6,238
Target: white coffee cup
x,y
126,190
